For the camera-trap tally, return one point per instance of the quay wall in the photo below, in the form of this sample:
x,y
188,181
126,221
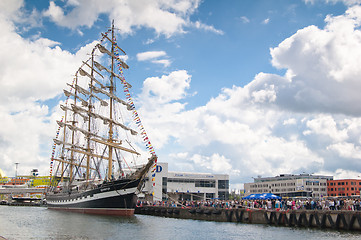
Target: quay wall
x,y
340,220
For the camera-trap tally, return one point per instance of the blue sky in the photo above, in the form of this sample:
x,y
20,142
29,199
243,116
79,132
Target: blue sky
x,y
241,87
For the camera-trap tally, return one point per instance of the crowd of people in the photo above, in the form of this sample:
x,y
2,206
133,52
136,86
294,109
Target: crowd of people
x,y
305,204
271,204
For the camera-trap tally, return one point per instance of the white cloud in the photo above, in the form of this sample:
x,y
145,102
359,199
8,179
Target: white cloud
x,y
324,66
144,56
54,12
159,106
309,1
31,71
326,125
244,19
275,124
264,95
154,56
164,62
165,17
346,2
290,121
166,88
203,26
9,8
214,163
341,174
13,10
346,150
266,21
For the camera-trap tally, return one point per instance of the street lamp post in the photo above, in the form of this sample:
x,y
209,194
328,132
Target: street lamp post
x,y
16,169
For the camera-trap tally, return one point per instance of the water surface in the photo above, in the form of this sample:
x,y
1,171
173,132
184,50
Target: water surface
x,y
41,223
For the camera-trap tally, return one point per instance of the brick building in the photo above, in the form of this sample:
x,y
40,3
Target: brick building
x,y
343,187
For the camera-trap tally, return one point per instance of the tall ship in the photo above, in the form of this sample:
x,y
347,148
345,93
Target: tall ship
x,y
98,164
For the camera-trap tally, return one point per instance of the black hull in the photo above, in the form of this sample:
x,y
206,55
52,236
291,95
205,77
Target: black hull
x,y
109,198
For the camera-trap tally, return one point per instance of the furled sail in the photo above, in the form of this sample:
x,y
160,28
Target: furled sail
x,y
84,73
65,108
79,89
114,145
106,120
93,69
75,128
101,68
102,102
110,95
71,163
102,49
83,102
86,92
116,45
58,142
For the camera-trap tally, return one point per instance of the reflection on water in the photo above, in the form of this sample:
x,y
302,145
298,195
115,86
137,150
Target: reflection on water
x,y
41,223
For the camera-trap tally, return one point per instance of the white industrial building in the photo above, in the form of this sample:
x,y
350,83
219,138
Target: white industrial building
x,y
184,186
289,185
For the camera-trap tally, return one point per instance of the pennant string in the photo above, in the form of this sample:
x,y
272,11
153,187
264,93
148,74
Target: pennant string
x,y
136,117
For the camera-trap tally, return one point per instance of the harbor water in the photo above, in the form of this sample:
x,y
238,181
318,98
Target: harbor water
x,y
41,223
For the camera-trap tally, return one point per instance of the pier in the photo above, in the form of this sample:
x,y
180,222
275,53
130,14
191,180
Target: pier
x,y
339,220
5,191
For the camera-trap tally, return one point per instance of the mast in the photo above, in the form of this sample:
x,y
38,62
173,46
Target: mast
x,y
73,136
89,114
111,90
63,148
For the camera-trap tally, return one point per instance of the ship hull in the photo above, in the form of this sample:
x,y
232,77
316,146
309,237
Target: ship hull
x,y
112,198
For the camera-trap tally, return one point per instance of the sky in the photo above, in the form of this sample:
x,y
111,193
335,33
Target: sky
x,y
247,88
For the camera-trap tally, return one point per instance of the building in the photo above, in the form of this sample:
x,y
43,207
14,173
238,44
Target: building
x,y
20,180
343,187
290,185
176,186
32,180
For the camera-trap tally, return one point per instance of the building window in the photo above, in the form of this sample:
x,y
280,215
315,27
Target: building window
x,y
205,183
209,195
164,186
223,184
181,180
164,183
223,195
